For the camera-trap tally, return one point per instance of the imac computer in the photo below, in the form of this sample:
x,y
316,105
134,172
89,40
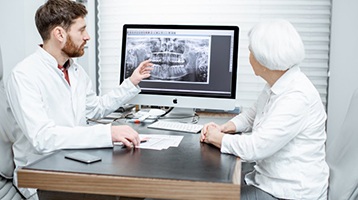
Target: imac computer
x,y
194,66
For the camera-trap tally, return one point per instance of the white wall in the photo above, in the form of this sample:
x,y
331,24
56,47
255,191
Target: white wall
x,y
88,60
343,63
18,35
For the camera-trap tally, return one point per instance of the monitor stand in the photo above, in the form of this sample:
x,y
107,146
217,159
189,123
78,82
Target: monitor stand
x,y
181,114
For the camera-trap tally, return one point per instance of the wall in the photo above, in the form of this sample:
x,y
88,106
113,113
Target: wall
x,y
18,35
343,63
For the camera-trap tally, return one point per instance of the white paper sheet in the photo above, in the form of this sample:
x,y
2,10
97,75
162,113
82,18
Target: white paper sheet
x,y
157,142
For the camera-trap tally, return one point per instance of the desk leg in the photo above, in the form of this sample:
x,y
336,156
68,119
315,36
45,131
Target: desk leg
x,y
237,172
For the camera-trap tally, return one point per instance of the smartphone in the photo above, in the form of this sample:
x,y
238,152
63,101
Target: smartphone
x,y
83,157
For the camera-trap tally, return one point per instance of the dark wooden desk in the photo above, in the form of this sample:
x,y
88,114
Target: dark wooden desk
x,y
191,171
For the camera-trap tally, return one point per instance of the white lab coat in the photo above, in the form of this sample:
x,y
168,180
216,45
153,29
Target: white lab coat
x,y
52,114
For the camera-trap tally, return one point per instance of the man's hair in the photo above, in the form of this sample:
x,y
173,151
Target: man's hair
x,y
57,13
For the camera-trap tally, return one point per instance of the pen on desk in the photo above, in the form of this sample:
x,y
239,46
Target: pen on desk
x,y
121,143
142,141
136,121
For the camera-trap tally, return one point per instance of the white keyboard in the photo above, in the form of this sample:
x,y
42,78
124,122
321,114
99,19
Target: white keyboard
x,y
176,126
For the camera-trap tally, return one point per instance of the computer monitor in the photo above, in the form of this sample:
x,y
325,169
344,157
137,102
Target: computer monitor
x,y
194,66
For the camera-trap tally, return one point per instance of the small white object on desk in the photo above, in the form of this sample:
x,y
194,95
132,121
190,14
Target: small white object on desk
x,y
114,115
146,116
156,112
150,112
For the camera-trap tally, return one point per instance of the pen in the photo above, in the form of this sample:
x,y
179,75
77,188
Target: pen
x,y
121,144
136,121
142,141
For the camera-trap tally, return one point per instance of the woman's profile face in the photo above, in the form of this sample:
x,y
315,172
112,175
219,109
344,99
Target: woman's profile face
x,y
256,66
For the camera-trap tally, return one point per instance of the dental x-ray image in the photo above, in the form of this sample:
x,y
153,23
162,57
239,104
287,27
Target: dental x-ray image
x,y
174,58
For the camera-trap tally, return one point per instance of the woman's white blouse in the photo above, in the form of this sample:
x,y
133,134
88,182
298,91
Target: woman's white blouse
x,y
286,140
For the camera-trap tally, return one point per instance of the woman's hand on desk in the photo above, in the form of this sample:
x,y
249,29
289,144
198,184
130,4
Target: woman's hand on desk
x,y
213,133
228,127
125,134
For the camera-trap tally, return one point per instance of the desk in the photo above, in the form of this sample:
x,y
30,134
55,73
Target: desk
x,y
193,170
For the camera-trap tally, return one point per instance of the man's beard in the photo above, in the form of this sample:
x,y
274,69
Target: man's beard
x,y
72,50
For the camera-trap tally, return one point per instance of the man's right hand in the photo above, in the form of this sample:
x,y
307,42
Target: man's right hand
x,y
125,134
141,72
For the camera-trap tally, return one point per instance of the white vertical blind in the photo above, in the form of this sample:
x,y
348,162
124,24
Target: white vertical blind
x,y
311,19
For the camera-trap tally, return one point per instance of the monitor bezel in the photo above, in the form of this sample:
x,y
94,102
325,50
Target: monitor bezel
x,y
188,27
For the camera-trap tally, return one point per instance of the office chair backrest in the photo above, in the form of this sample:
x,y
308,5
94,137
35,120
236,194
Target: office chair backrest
x,y
9,130
1,66
342,157
6,138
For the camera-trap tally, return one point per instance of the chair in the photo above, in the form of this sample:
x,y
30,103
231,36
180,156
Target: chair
x,y
7,137
342,157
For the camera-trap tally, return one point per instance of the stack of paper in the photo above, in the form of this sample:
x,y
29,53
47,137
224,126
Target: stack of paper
x,y
159,142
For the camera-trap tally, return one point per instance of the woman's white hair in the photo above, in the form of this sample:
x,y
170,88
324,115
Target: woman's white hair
x,y
276,44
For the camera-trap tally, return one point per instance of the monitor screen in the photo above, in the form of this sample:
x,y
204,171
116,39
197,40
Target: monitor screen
x,y
194,66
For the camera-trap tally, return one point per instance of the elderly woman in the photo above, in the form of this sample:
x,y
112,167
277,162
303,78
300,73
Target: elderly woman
x,y
286,124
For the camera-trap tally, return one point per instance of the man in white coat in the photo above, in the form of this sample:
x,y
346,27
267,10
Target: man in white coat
x,y
51,95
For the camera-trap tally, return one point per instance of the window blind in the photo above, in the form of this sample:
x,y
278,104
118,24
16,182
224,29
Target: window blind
x,y
311,19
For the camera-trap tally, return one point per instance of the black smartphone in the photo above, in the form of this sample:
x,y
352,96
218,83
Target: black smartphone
x,y
83,157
